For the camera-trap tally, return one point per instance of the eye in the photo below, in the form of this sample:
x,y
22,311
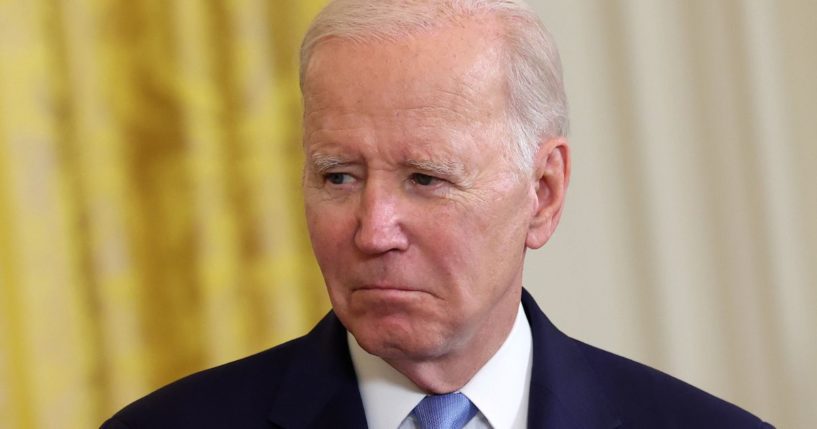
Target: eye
x,y
423,179
337,178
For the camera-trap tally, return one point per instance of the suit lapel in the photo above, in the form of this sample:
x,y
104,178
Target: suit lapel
x,y
563,391
319,388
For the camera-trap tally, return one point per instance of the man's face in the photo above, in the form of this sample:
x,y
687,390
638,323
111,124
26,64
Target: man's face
x,y
417,217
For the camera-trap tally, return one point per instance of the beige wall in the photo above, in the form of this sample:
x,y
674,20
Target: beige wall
x,y
690,233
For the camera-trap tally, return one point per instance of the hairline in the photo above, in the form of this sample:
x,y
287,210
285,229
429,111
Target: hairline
x,y
525,134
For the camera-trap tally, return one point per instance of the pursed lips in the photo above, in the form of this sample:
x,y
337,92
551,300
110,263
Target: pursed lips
x,y
388,289
379,287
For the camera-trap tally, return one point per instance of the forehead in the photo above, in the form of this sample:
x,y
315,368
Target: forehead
x,y
453,70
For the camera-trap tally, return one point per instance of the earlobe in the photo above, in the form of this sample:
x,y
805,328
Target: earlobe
x,y
552,174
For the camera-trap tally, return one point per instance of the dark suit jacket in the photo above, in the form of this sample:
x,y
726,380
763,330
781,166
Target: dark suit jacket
x,y
310,383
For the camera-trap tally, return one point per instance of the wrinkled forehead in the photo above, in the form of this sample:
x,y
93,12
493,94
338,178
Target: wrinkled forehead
x,y
479,30
464,61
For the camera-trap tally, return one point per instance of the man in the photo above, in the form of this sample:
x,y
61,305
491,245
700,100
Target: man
x,y
435,157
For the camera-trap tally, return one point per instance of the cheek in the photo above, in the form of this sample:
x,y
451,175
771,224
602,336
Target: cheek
x,y
328,233
452,240
490,236
330,246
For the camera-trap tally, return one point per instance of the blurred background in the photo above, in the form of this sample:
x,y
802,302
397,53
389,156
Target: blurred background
x,y
151,220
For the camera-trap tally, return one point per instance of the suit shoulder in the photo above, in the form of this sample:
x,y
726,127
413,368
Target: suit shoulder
x,y
647,397
225,394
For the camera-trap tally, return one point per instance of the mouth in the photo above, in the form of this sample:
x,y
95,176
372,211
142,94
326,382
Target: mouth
x,y
390,291
386,288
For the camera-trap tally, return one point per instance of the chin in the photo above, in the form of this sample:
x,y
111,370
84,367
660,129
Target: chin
x,y
392,341
400,351
403,326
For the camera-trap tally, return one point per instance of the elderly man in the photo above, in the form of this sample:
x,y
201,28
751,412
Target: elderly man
x,y
435,157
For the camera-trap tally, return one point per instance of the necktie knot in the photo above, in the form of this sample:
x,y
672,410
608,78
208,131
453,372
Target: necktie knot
x,y
449,411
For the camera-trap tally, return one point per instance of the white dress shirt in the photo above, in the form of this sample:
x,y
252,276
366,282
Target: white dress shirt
x,y
500,389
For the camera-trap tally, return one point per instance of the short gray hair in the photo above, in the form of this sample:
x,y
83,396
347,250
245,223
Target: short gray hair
x,y
533,69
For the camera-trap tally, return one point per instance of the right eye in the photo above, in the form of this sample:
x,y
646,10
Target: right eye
x,y
337,178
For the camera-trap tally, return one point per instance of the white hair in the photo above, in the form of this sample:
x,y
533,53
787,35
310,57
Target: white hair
x,y
538,105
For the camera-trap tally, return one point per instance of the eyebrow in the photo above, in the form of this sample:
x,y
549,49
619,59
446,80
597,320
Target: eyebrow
x,y
438,168
322,162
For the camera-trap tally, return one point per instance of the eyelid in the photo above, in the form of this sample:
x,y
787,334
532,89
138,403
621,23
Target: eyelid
x,y
426,174
333,168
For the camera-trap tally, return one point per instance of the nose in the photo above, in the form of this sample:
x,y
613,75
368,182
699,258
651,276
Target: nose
x,y
380,223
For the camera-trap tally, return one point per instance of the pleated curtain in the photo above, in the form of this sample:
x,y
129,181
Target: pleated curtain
x,y
150,219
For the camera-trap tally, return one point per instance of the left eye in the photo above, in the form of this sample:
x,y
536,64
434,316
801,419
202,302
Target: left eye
x,y
423,179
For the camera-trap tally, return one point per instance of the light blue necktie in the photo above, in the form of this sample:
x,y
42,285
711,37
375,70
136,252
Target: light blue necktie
x,y
449,411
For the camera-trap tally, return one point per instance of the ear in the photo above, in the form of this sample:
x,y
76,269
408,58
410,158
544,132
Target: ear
x,y
552,175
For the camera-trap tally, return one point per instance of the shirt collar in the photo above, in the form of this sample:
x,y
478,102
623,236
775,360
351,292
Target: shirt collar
x,y
388,396
500,389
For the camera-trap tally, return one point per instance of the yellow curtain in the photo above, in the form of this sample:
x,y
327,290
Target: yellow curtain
x,y
150,219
